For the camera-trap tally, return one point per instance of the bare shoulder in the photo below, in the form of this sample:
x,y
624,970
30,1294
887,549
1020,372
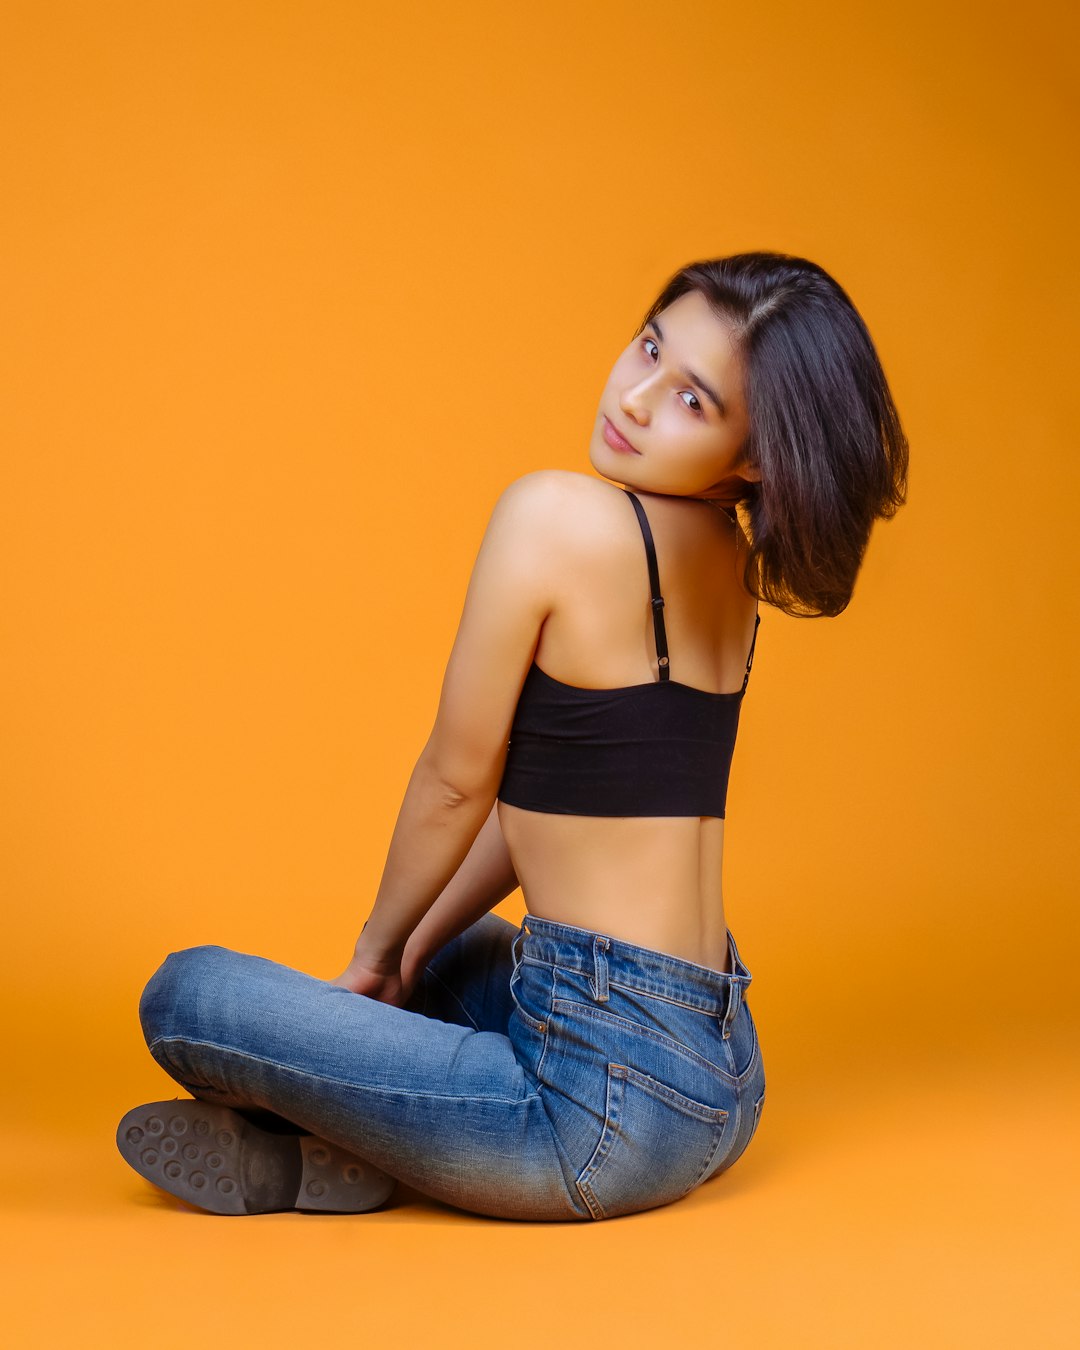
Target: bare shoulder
x,y
576,505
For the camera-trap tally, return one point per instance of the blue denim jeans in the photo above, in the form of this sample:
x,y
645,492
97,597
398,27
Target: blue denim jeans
x,y
538,1072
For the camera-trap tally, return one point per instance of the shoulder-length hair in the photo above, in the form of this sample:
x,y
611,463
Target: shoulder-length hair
x,y
824,435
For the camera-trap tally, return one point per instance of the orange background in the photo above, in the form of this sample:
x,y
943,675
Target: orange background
x,y
291,292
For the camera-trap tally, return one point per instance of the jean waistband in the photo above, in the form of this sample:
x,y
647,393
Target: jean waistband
x,y
610,960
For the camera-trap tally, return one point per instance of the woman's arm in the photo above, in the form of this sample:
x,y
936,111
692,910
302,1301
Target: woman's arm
x,y
435,831
485,877
453,788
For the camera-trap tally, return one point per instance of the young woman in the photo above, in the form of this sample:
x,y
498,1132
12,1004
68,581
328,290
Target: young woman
x,y
600,1058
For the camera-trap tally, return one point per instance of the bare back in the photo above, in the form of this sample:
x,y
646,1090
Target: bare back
x,y
655,881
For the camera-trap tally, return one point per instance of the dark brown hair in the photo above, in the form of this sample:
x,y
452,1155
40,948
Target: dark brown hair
x,y
824,434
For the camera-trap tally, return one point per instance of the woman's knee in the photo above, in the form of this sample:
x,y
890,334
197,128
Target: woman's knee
x,y
175,993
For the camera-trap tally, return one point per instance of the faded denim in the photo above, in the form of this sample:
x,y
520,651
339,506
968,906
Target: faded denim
x,y
538,1072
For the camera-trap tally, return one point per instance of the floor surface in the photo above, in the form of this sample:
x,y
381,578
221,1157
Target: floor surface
x,y
929,1209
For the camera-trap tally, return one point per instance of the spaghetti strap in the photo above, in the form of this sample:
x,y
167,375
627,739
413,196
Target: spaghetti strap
x,y
750,658
659,631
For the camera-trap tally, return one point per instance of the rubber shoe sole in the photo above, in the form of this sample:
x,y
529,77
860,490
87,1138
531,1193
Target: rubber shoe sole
x,y
212,1157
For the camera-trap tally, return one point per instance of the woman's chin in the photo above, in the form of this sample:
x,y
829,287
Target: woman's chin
x,y
600,458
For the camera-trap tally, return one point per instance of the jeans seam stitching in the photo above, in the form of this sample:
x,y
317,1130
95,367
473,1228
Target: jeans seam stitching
x,y
340,1082
600,1153
454,996
707,1010
571,1006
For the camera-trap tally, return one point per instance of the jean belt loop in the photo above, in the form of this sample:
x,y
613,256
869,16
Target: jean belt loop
x,y
516,945
600,968
734,999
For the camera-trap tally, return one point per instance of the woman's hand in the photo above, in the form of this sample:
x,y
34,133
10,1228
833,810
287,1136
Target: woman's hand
x,y
388,979
378,977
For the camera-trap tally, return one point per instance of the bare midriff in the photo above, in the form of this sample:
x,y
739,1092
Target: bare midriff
x,y
654,881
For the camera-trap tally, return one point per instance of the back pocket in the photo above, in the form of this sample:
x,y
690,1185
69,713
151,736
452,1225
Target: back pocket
x,y
656,1145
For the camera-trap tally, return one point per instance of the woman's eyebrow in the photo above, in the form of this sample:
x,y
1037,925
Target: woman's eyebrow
x,y
695,379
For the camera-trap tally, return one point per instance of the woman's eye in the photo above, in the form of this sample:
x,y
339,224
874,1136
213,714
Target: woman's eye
x,y
696,406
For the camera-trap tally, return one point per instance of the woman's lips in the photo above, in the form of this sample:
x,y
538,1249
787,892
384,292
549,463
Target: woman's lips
x,y
616,440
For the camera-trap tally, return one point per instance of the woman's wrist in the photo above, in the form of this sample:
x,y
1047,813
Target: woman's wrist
x,y
375,953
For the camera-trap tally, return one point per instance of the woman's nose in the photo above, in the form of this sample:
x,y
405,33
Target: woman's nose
x,y
633,403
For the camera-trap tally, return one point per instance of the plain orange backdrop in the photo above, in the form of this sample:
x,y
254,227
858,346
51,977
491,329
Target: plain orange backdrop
x,y
291,291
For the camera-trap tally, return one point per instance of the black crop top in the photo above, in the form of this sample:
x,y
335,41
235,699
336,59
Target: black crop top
x,y
656,749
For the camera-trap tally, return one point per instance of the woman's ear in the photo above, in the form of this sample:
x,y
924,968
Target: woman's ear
x,y
740,476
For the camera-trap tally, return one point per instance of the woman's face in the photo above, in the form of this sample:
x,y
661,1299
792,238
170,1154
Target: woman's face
x,y
675,395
